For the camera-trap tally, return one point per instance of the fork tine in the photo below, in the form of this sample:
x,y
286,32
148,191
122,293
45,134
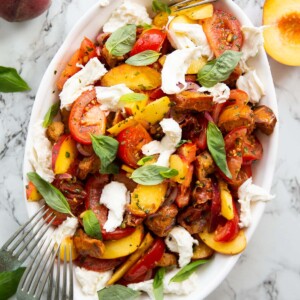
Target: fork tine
x,y
41,283
71,275
50,285
37,237
41,267
56,296
64,285
24,277
5,246
191,5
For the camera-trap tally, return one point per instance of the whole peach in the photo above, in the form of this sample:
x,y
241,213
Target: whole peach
x,y
22,10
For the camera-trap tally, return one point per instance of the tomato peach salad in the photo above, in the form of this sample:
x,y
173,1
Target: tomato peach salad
x,y
152,142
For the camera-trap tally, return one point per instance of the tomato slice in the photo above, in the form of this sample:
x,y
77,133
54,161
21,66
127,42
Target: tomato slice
x,y
86,51
131,140
147,276
86,118
223,32
156,94
151,39
119,233
215,206
228,231
253,149
147,262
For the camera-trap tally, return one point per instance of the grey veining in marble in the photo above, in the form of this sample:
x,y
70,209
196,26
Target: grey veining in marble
x,y
270,266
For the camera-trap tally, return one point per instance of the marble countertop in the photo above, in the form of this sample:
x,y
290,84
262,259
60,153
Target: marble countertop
x,y
270,266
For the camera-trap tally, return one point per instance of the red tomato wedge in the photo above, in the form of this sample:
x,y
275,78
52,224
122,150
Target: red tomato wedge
x,y
151,39
253,149
86,51
86,118
223,32
131,140
228,231
215,206
147,262
119,233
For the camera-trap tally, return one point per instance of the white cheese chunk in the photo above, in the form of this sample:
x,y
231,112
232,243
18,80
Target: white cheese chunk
x,y
180,241
167,145
182,35
67,228
220,92
114,196
80,82
177,288
40,155
128,13
249,192
104,3
253,41
251,84
90,281
109,96
175,68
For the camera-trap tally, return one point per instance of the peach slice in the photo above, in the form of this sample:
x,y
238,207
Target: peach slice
x,y
282,31
32,194
64,154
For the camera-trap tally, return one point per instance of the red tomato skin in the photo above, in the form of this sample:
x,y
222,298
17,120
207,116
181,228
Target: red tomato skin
x,y
147,276
223,32
253,150
215,206
131,140
119,233
230,230
88,50
151,39
80,132
147,262
156,94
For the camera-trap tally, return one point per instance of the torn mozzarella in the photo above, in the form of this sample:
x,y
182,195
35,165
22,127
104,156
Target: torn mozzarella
x,y
67,228
220,92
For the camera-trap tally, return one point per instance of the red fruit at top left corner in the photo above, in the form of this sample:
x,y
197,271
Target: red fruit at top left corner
x,y
22,10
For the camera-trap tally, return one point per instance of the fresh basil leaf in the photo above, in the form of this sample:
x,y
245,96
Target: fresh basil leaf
x,y
110,169
219,69
9,282
145,26
122,40
51,113
158,6
143,160
216,147
132,97
118,292
152,174
144,58
53,197
106,149
10,81
169,173
188,270
91,225
158,284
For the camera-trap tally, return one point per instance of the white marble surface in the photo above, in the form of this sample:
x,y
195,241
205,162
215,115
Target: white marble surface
x,y
270,267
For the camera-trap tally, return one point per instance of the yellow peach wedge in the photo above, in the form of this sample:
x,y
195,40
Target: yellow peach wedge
x,y
282,30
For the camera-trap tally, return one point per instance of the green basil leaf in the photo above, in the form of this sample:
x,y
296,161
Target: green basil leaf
x,y
10,81
91,225
158,6
144,58
188,270
145,26
158,284
53,197
182,142
110,169
9,282
143,160
122,40
216,147
106,149
169,173
51,113
132,97
219,69
118,292
152,174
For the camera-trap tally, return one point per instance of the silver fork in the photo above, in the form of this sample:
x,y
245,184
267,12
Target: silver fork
x,y
41,270
181,4
17,249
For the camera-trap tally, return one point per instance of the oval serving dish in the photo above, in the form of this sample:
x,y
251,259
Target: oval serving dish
x,y
211,274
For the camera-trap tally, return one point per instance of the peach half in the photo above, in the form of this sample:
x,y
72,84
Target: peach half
x,y
282,31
